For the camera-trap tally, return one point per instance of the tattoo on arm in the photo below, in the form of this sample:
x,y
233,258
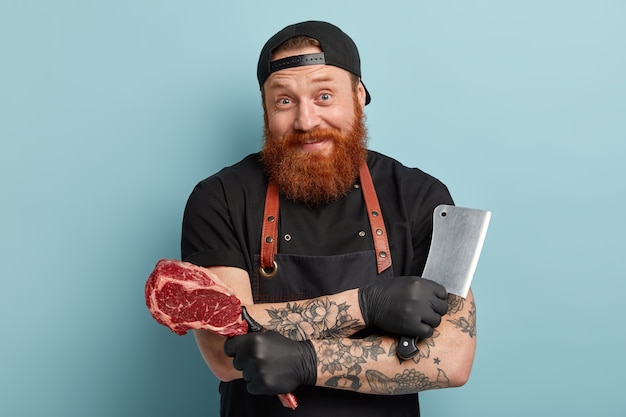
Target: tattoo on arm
x,y
455,304
343,361
316,319
467,324
409,381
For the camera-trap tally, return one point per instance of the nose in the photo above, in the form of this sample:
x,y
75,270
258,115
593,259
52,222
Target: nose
x,y
306,118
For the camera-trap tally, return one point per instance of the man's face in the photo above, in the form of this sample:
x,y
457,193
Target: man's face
x,y
303,99
314,132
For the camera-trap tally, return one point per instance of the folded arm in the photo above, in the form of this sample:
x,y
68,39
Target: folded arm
x,y
273,364
367,365
370,365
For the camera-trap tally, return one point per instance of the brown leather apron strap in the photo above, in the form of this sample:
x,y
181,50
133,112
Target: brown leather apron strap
x,y
269,233
377,224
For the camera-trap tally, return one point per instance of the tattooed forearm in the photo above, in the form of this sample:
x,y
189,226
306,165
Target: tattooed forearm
x,y
467,324
363,365
316,319
371,365
343,360
407,382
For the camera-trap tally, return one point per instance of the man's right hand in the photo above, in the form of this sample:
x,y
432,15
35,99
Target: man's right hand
x,y
407,306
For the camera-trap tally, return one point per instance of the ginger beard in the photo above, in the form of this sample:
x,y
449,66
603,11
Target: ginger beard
x,y
310,177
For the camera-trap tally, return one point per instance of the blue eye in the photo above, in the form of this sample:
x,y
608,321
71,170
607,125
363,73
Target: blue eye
x,y
325,97
284,101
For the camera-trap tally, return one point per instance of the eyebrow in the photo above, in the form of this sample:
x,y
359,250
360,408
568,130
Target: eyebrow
x,y
322,79
278,83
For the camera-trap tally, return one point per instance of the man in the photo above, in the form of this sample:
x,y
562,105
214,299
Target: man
x,y
324,242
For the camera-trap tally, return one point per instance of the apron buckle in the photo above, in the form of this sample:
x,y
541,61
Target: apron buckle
x,y
269,272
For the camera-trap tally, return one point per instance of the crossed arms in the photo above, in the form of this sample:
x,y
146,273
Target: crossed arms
x,y
368,365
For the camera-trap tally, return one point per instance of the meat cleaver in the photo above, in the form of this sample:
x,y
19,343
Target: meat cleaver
x,y
458,236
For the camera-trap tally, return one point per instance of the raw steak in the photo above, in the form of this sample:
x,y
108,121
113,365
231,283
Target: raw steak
x,y
183,296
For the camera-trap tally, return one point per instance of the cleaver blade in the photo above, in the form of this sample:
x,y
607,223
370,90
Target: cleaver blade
x,y
457,240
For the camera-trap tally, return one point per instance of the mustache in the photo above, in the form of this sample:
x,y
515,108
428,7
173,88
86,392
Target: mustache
x,y
299,138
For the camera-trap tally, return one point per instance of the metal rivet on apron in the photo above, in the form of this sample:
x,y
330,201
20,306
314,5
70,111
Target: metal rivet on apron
x,y
361,233
374,213
269,273
379,232
357,186
383,254
269,239
287,237
271,219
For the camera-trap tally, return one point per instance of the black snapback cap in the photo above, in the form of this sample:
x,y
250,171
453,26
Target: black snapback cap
x,y
338,49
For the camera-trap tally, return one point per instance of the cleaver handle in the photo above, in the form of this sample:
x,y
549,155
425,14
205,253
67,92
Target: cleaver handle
x,y
407,348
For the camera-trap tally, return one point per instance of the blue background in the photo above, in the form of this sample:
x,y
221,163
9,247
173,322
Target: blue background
x,y
111,111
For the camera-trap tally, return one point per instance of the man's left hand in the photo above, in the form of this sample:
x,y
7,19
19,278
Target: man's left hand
x,y
271,363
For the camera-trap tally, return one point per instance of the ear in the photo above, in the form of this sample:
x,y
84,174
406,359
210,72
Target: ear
x,y
360,93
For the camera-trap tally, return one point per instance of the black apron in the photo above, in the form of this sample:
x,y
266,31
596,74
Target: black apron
x,y
274,279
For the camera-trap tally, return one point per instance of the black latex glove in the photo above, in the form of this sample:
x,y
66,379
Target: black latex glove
x,y
271,363
408,306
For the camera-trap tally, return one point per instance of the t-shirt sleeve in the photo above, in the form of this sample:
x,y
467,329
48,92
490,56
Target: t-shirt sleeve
x,y
208,237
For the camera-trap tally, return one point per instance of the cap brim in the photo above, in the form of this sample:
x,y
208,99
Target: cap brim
x,y
368,98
